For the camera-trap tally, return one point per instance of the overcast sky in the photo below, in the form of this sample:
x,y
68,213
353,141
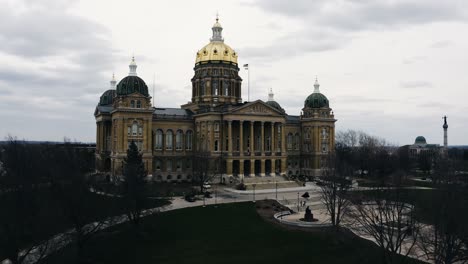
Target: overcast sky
x,y
391,68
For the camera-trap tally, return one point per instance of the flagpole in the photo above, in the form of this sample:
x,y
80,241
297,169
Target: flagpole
x,y
246,67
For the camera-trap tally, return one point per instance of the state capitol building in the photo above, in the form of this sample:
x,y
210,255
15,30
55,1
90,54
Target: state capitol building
x,y
249,139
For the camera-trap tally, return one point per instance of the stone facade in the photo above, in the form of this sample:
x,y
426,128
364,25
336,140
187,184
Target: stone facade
x,y
249,139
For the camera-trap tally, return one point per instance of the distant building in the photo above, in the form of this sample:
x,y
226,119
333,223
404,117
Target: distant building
x,y
421,147
255,138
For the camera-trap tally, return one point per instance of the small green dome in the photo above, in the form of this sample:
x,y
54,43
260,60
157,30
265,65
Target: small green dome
x,y
275,105
420,140
132,84
316,100
107,97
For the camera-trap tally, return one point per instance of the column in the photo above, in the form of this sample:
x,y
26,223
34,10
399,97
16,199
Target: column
x,y
98,138
283,141
283,166
262,167
241,140
229,168
230,138
272,139
241,169
262,140
252,140
272,173
252,168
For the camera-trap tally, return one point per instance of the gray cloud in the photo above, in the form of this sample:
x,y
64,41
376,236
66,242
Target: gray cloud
x,y
414,59
415,84
441,44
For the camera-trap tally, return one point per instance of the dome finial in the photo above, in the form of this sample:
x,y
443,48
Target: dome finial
x,y
113,82
132,67
316,85
217,29
270,95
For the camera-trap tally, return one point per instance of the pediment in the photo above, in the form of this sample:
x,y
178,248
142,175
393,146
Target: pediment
x,y
257,108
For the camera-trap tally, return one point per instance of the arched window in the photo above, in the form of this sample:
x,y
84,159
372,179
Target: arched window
x,y
189,138
134,129
169,136
226,88
140,130
129,131
159,139
132,104
179,136
289,141
138,104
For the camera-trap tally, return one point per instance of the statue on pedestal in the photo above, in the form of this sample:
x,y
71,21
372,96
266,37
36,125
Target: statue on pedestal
x,y
308,217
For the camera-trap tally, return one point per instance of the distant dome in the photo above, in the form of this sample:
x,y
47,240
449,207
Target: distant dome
x,y
275,105
132,84
316,99
107,97
420,140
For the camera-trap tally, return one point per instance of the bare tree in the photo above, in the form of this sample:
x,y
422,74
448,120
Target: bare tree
x,y
20,201
335,187
205,167
70,189
384,216
445,239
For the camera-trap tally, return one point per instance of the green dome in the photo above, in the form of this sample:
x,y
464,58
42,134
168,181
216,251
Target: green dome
x,y
275,105
107,97
316,100
420,140
132,84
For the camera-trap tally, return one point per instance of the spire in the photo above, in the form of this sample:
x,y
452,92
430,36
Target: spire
x,y
132,67
445,126
316,86
113,82
217,29
270,95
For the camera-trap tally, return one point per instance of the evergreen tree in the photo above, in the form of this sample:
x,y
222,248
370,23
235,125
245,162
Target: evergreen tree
x,y
134,184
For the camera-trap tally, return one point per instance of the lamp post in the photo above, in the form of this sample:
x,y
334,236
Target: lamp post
x,y
254,192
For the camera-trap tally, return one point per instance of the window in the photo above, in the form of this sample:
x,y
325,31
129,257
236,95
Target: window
x,y
215,87
297,142
134,129
159,139
289,141
189,137
216,145
169,135
179,165
179,136
157,164
268,144
169,165
132,104
216,127
129,131
138,104
140,130
226,88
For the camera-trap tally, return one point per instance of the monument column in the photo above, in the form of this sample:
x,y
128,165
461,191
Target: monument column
x,y
283,141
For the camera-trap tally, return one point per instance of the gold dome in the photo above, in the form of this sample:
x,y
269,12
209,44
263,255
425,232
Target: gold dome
x,y
216,51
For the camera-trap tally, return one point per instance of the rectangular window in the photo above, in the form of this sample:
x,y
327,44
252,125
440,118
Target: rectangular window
x,y
140,131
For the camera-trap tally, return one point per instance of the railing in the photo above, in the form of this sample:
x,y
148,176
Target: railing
x,y
236,153
258,153
267,153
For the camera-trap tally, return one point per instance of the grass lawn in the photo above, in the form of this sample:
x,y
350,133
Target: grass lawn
x,y
229,233
50,220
